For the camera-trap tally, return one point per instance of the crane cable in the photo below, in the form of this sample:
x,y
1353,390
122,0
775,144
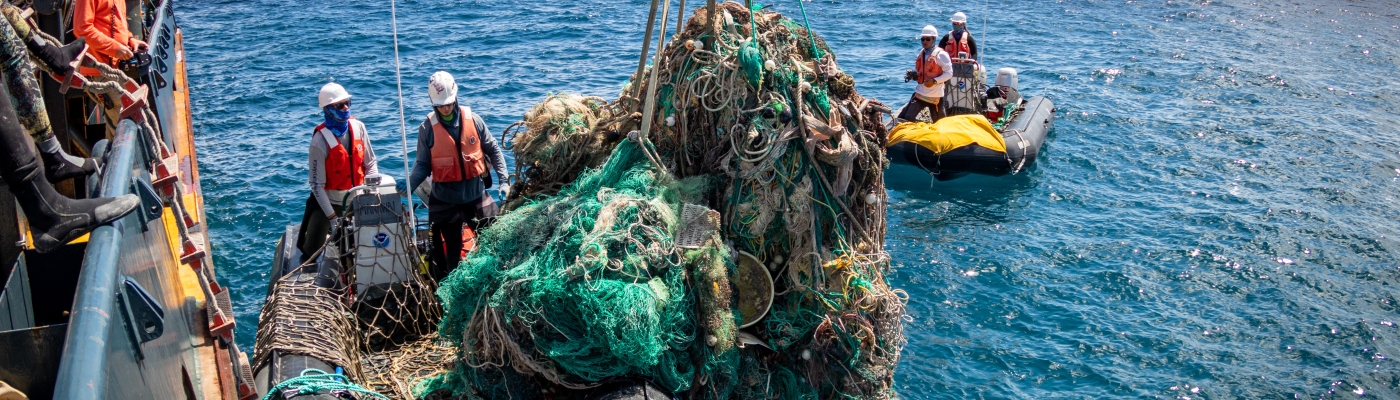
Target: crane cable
x,y
403,124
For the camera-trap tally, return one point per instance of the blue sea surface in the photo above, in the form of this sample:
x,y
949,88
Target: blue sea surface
x,y
1213,216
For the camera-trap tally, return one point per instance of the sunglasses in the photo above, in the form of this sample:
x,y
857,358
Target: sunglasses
x,y
342,106
927,39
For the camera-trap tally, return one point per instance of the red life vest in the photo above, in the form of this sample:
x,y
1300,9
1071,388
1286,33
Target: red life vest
x,y
455,161
956,46
344,169
928,67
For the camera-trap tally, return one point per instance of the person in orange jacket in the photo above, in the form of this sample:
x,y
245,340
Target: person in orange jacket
x,y
103,24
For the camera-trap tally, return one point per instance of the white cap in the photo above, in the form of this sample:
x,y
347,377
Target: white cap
x,y
332,93
959,18
929,30
442,89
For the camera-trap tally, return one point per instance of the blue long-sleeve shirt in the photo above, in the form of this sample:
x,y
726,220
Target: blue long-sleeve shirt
x,y
456,192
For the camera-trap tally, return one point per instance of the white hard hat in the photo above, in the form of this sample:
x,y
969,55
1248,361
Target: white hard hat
x,y
332,93
442,89
959,18
929,30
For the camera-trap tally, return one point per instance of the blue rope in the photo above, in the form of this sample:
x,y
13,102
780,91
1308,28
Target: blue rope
x,y
816,54
313,381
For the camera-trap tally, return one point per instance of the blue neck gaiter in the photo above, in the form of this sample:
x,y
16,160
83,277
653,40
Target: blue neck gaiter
x,y
337,121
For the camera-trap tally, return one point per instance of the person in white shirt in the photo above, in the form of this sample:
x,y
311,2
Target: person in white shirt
x,y
339,159
932,68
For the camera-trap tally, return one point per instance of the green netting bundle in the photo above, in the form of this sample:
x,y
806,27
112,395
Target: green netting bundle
x,y
583,286
752,61
758,123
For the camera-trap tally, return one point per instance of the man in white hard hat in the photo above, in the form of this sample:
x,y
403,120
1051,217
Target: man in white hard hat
x,y
456,150
339,158
931,69
959,40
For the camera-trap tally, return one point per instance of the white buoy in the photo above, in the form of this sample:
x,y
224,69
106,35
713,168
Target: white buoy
x,y
804,86
870,198
671,120
778,259
770,65
806,354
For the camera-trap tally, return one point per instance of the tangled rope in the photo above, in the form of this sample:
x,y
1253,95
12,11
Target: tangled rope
x,y
752,108
314,381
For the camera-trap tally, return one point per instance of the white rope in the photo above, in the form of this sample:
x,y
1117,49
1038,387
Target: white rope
x,y
403,124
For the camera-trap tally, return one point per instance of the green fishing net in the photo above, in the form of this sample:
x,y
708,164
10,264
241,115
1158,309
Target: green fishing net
x,y
596,273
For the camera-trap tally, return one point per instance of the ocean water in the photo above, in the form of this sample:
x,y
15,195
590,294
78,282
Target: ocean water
x,y
1214,215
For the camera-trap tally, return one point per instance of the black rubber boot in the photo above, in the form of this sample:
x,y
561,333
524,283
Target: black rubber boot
x,y
53,219
57,59
59,166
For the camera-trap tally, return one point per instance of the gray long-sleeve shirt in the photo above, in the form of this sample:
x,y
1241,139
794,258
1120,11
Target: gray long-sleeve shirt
x,y
317,163
456,192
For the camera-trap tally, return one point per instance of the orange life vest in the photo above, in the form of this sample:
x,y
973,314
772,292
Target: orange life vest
x,y
344,169
927,65
956,46
455,161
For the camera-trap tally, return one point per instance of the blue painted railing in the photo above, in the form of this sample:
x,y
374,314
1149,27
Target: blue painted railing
x,y
82,373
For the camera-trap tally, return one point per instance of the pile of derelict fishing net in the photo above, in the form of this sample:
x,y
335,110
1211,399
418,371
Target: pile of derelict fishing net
x,y
556,141
733,250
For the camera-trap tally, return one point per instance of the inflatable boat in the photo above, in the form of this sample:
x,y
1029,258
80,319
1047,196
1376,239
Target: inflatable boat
x,y
1000,136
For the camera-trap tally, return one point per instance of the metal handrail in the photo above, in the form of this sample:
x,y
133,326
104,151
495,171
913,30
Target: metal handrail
x,y
82,372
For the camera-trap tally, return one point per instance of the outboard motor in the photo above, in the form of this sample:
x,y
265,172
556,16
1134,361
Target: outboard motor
x,y
965,92
1005,97
1007,81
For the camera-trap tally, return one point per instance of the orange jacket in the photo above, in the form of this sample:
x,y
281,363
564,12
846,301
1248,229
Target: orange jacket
x,y
344,169
103,24
456,160
927,65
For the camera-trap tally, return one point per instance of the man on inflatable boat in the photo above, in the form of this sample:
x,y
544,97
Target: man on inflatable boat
x,y
338,160
931,69
959,40
458,152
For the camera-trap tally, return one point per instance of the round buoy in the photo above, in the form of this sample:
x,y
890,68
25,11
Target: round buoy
x,y
770,65
806,354
671,120
870,198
